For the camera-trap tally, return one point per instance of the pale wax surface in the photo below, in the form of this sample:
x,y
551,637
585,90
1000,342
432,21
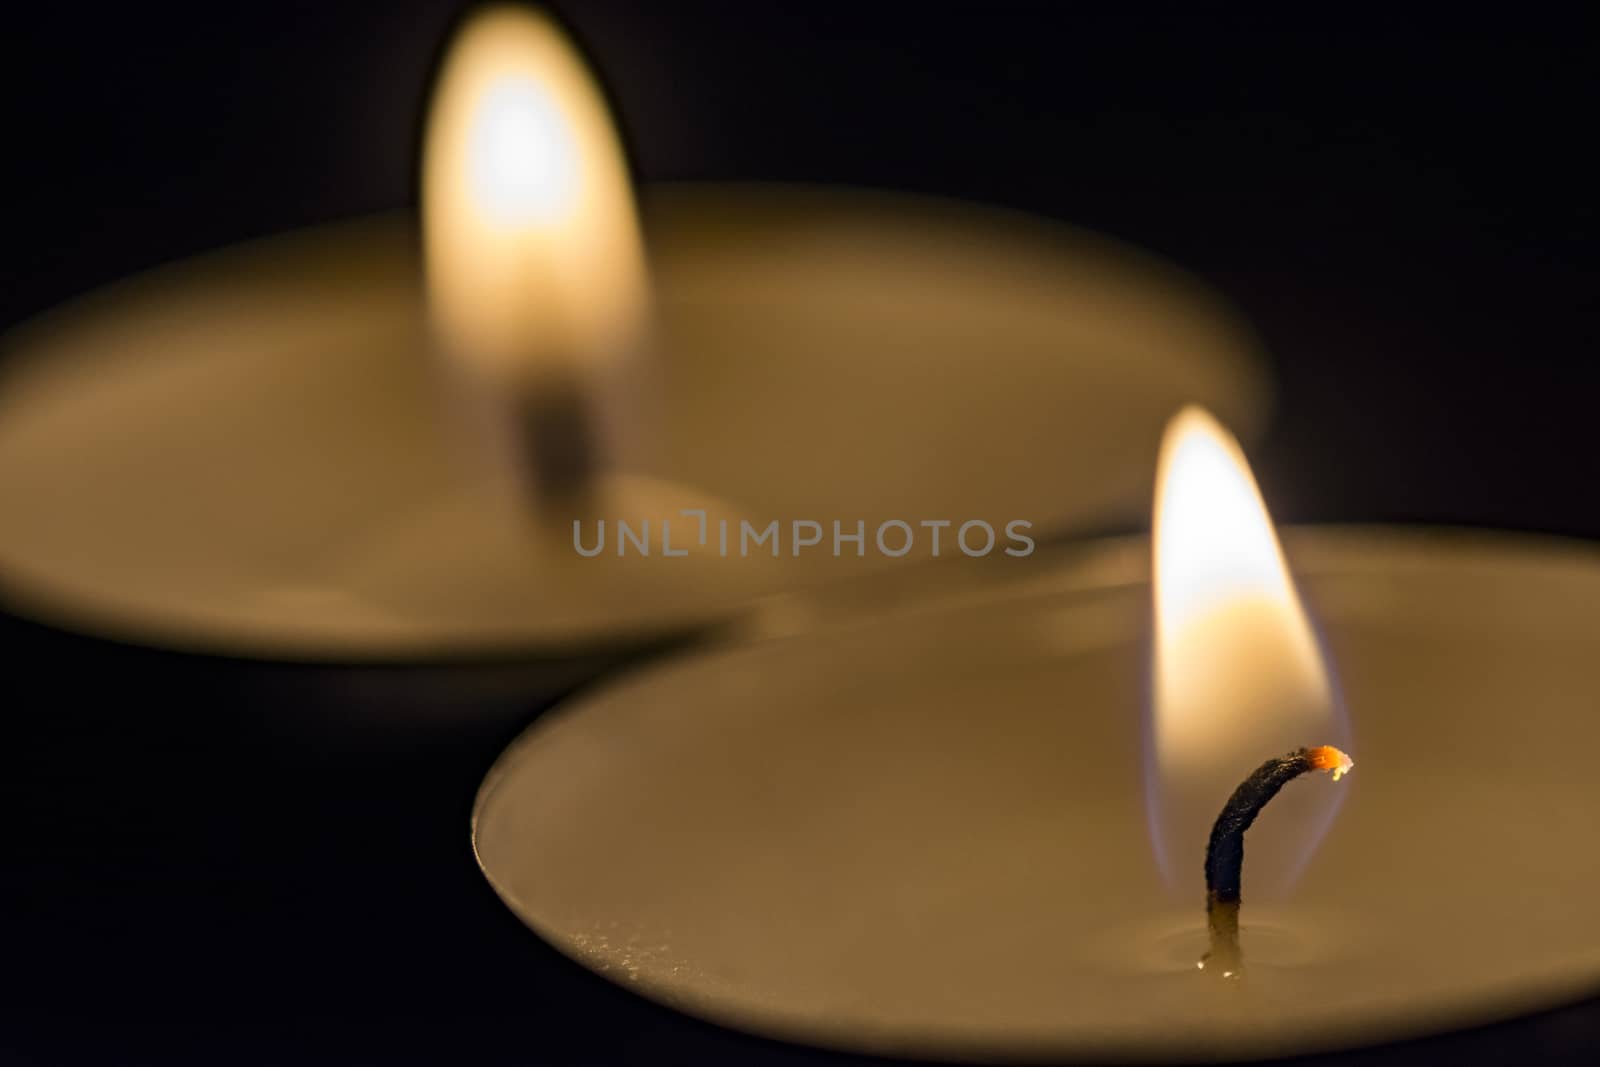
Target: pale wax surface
x,y
253,452
921,831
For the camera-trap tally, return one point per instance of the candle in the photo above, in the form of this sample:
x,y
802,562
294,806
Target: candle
x,y
924,829
257,452
1237,674
534,263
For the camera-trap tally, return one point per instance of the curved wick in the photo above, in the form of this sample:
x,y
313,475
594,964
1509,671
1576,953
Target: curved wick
x,y
1225,851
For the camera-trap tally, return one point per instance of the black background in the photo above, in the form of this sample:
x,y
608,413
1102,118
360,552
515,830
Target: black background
x,y
1403,205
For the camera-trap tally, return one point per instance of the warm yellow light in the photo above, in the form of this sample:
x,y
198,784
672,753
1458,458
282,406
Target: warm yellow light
x,y
1239,676
535,266
521,158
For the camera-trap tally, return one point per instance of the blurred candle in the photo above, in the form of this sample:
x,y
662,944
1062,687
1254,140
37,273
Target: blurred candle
x,y
261,451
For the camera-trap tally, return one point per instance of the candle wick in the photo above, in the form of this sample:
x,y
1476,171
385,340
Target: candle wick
x,y
1225,850
1224,959
558,449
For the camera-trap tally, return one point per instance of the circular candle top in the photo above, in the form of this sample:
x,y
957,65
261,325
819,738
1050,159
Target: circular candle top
x,y
252,451
922,831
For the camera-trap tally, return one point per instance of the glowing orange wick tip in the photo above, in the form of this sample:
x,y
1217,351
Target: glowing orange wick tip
x,y
1328,758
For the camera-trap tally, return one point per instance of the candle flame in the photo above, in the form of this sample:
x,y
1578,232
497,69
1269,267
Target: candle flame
x,y
535,266
521,158
1238,672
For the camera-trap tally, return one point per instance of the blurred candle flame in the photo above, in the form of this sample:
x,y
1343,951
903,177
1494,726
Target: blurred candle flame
x,y
535,267
1239,675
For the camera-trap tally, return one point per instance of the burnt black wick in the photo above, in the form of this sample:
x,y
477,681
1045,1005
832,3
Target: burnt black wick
x,y
1225,850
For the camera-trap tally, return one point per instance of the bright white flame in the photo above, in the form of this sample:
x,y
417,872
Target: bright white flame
x,y
522,157
1239,676
535,266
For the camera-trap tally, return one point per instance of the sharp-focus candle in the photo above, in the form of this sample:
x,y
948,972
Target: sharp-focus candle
x,y
917,824
1237,673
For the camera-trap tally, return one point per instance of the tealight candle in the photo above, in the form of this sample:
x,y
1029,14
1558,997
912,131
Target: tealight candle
x,y
255,452
920,825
